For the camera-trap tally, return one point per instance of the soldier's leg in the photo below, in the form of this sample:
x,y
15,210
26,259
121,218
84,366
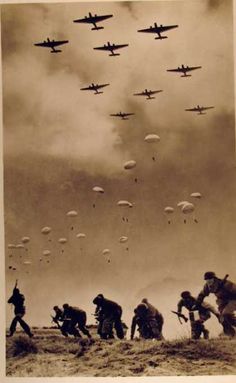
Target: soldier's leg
x,y
196,329
13,325
107,326
119,328
227,318
72,329
64,328
82,325
154,329
25,326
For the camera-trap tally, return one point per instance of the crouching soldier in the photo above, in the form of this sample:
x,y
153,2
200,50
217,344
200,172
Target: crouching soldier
x,y
149,321
109,317
75,317
225,292
18,299
59,317
198,314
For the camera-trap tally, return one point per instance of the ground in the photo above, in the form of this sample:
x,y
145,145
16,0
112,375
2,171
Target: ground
x,y
49,354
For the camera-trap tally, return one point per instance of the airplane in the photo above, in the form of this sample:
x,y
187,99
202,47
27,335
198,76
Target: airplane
x,y
199,109
148,93
93,20
158,29
111,47
184,69
122,115
52,44
95,87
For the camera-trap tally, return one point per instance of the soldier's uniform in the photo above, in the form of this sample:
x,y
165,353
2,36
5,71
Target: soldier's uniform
x,y
18,299
225,292
109,317
149,321
203,310
75,317
59,317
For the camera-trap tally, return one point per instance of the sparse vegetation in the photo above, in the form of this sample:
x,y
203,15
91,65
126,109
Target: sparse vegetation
x,y
50,354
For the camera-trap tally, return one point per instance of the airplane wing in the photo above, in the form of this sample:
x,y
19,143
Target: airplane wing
x,y
140,94
207,107
164,28
192,110
93,19
56,43
118,46
96,19
115,115
188,69
148,30
104,48
87,88
128,114
155,91
101,86
51,44
175,70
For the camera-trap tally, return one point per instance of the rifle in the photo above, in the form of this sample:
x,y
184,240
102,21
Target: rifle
x,y
16,284
179,315
55,321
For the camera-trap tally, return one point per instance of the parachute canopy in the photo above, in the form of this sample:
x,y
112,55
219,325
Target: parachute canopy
x,y
182,203
130,164
106,251
46,253
72,213
62,240
196,195
188,208
25,239
11,246
98,189
27,262
124,203
123,239
46,230
152,138
80,235
20,246
169,210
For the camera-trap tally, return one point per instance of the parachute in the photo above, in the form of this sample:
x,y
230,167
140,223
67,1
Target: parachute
x,y
25,239
196,195
62,240
150,138
123,239
130,164
98,189
46,230
107,253
80,235
11,246
169,210
46,253
72,213
187,208
182,203
124,203
27,262
20,246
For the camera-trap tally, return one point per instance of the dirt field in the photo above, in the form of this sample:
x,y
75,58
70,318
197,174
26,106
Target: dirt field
x,y
49,354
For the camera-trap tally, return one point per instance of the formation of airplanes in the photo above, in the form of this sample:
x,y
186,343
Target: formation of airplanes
x,y
95,87
122,115
93,20
51,44
111,47
148,93
199,109
184,69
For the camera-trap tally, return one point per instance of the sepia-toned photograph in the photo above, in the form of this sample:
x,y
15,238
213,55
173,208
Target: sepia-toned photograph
x,y
119,183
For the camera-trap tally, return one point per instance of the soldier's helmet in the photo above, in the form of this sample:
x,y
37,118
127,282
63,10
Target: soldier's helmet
x,y
141,309
99,298
16,290
209,275
65,306
144,300
55,307
185,294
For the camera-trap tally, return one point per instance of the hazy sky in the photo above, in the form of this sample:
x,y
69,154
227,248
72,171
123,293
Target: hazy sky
x,y
60,142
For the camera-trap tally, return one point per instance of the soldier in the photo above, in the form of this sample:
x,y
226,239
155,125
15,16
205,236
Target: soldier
x,y
59,317
109,316
149,321
204,311
17,299
225,292
76,316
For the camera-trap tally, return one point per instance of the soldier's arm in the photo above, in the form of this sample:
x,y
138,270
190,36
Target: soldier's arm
x,y
10,300
204,293
133,327
180,306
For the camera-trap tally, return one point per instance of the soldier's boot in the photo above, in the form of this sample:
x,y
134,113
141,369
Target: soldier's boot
x,y
119,329
25,327
227,326
13,326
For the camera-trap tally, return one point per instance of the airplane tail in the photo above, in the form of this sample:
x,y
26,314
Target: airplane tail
x,y
150,98
114,54
96,28
201,113
98,93
186,75
56,51
161,37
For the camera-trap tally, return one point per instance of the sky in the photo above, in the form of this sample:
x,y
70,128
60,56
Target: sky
x,y
60,142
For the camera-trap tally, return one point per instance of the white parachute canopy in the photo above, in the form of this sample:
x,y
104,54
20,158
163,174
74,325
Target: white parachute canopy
x,y
80,235
27,262
98,189
196,195
106,252
150,138
182,203
46,230
20,246
25,239
46,253
11,246
169,210
188,208
124,203
123,239
129,164
72,213
62,240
